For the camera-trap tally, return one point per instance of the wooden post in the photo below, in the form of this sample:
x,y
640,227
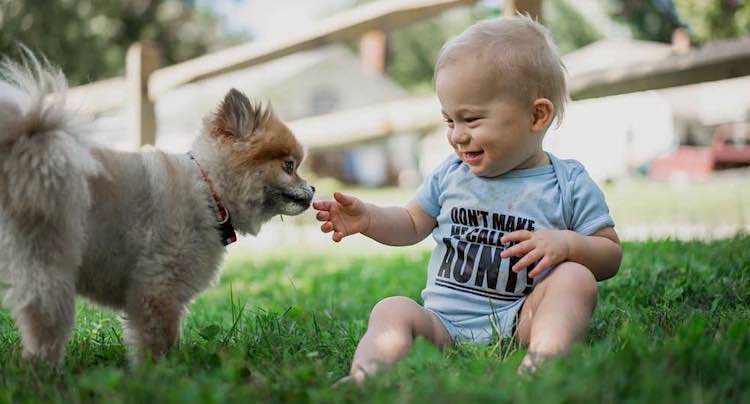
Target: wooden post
x,y
142,59
373,50
530,7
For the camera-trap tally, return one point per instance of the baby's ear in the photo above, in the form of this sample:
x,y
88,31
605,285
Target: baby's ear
x,y
542,114
238,117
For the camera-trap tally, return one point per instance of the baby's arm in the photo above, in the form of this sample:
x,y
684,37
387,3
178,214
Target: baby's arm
x,y
398,226
600,252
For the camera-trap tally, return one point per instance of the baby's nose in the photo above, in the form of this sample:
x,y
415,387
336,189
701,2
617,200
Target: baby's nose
x,y
458,136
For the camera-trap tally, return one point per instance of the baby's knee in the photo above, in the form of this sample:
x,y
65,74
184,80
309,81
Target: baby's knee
x,y
394,308
577,279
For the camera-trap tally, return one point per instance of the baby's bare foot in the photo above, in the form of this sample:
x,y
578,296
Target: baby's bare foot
x,y
357,378
531,363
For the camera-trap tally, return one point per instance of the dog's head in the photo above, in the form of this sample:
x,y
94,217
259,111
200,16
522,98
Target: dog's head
x,y
254,157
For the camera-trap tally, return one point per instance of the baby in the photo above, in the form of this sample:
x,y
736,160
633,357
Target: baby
x,y
522,236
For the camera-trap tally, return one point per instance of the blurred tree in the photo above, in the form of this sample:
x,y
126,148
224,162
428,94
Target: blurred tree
x,y
413,50
652,20
715,19
707,19
569,28
89,38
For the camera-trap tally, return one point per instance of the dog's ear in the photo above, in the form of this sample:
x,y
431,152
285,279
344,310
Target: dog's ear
x,y
239,117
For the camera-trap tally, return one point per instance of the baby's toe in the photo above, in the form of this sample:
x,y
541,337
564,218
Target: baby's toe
x,y
531,363
357,378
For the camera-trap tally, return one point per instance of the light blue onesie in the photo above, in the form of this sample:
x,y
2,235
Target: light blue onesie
x,y
469,287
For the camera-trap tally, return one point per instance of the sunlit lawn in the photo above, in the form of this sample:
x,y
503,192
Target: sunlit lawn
x,y
673,326
724,200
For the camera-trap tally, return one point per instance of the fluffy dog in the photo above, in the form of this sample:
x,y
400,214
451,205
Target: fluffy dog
x,y
144,232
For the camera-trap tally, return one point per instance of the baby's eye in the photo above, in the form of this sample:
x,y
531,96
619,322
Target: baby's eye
x,y
449,122
289,167
472,119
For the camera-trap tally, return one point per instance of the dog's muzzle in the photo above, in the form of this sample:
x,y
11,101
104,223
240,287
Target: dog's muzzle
x,y
303,197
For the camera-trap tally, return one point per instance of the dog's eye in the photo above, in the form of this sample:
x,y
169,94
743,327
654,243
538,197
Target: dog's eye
x,y
289,167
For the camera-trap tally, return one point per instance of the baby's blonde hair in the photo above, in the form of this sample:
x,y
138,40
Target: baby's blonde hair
x,y
518,49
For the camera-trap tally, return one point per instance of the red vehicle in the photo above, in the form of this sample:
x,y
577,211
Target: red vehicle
x,y
730,148
731,145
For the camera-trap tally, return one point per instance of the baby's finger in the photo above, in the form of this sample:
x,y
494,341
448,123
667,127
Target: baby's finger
x,y
326,227
518,235
322,205
540,267
518,249
338,236
527,260
323,216
343,199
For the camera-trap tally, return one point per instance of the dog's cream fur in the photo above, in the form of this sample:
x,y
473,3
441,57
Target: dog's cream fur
x,y
136,232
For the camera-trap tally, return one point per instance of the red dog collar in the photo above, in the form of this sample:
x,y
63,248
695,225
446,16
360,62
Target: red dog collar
x,y
228,235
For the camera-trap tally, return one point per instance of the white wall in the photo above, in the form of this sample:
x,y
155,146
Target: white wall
x,y
612,135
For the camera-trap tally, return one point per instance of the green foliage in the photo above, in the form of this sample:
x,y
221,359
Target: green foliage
x,y
412,52
707,20
672,326
569,28
89,38
413,49
715,19
646,19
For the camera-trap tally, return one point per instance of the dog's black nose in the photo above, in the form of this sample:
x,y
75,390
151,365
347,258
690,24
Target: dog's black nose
x,y
313,188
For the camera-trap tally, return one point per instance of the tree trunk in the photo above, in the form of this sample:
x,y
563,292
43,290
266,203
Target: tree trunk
x,y
530,7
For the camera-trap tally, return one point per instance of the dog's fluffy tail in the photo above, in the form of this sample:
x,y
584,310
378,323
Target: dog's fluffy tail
x,y
45,160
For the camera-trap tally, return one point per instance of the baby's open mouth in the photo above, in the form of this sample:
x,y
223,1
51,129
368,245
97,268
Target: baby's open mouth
x,y
473,156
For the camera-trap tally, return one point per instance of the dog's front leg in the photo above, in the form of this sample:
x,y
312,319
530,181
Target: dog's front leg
x,y
153,325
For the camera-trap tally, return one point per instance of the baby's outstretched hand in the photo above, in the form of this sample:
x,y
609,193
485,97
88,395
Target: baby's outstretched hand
x,y
344,216
546,247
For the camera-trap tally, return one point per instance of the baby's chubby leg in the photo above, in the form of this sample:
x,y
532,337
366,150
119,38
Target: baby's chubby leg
x,y
557,313
394,324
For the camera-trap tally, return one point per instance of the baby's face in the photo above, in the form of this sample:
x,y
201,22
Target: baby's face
x,y
489,132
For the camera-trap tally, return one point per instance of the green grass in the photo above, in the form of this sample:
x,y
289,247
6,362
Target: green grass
x,y
673,326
